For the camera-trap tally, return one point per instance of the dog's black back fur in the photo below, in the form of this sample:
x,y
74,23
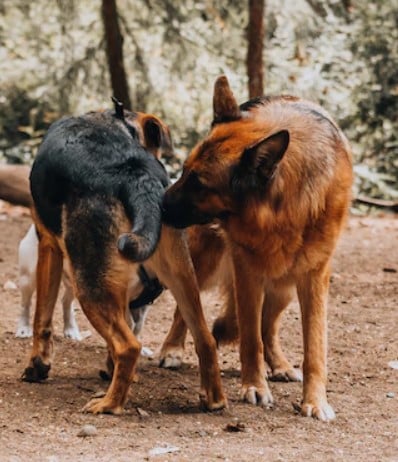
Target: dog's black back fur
x,y
89,162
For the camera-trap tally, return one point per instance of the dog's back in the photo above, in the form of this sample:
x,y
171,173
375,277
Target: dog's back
x,y
302,209
93,154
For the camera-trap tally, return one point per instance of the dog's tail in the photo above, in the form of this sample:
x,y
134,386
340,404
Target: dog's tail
x,y
144,209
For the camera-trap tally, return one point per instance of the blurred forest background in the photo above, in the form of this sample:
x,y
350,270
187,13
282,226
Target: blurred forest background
x,y
341,53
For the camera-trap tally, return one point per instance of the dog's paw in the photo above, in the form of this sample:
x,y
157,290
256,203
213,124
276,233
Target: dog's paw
x,y
260,396
24,331
171,358
37,371
286,375
72,332
321,411
213,401
102,406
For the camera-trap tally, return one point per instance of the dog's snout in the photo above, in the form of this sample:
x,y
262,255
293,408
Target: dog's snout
x,y
168,208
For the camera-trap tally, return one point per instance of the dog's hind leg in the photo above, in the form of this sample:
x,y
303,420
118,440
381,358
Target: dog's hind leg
x,y
312,289
225,328
173,346
49,271
139,315
275,301
109,319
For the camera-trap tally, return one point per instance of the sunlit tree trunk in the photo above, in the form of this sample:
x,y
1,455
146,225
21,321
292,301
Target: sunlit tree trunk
x,y
114,52
255,37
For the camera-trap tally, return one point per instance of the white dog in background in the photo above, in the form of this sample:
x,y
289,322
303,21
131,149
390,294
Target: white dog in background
x,y
27,262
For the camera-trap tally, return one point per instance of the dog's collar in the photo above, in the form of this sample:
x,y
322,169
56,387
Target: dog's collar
x,y
152,290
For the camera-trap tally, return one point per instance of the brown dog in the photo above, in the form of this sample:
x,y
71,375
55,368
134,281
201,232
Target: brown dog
x,y
211,259
276,173
97,189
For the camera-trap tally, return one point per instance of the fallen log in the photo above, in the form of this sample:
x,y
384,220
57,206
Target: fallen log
x,y
382,203
14,184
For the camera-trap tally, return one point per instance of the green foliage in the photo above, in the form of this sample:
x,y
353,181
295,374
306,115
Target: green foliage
x,y
374,125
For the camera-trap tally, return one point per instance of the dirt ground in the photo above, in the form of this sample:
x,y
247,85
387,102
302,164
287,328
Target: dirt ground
x,y
41,422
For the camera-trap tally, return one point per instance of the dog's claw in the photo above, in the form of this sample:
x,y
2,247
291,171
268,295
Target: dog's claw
x,y
323,412
288,375
257,396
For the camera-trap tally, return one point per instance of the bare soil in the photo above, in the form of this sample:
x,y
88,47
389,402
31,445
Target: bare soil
x,y
41,422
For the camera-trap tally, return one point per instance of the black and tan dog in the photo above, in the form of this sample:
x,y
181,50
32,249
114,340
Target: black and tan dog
x,y
97,188
276,173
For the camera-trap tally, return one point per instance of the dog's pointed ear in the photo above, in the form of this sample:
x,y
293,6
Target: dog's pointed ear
x,y
225,107
259,162
157,137
265,156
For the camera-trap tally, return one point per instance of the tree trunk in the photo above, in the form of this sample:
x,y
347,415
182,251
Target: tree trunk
x,y
255,37
114,52
14,184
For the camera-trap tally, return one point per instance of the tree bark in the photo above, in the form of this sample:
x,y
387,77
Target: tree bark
x,y
255,37
114,52
14,184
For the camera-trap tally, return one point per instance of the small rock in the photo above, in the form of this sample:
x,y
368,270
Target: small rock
x,y
393,364
146,352
10,285
87,430
158,451
143,414
235,426
390,394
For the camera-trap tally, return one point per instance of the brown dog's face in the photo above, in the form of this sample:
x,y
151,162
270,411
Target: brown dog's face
x,y
233,164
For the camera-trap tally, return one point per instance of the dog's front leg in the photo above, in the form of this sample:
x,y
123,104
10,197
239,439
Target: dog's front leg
x,y
49,270
173,346
249,286
174,268
312,289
